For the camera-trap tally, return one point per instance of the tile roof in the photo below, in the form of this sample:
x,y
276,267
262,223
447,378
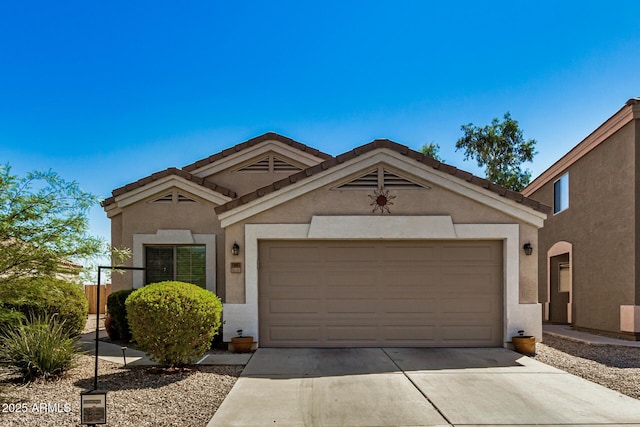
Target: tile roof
x,y
162,174
254,141
378,144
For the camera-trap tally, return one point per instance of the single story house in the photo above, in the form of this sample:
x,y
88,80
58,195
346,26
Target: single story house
x,y
589,250
379,246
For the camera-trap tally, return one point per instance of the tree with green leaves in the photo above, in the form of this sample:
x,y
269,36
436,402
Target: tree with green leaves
x,y
43,224
432,150
501,149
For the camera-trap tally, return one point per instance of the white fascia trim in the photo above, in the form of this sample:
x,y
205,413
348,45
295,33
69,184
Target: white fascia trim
x,y
394,159
516,316
257,150
167,183
175,237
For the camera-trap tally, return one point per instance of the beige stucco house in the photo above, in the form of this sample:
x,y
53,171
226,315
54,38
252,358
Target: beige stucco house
x,y
589,247
379,246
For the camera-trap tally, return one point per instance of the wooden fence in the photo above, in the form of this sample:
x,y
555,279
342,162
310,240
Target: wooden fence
x,y
90,292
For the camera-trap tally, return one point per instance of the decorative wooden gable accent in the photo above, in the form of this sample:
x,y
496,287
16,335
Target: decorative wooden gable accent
x,y
185,199
270,163
381,178
171,197
164,199
280,165
261,165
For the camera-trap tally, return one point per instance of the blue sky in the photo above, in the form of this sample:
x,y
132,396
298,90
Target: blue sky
x,y
106,93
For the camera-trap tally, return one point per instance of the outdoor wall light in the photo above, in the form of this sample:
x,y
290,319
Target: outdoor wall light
x,y
235,248
528,249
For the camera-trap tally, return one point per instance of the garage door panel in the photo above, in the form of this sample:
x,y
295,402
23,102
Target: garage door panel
x,y
286,254
353,306
480,305
350,253
409,334
406,306
468,253
348,280
411,254
294,333
288,279
470,283
294,306
467,333
380,294
411,278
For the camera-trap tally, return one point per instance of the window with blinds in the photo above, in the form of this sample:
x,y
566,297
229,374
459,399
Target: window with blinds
x,y
174,262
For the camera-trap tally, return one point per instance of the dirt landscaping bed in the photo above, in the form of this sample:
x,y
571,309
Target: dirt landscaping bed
x,y
135,396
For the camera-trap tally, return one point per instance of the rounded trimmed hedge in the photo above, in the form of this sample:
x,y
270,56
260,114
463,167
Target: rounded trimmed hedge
x,y
117,309
46,296
174,321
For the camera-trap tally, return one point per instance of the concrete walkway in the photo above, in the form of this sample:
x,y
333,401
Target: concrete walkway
x,y
415,387
566,331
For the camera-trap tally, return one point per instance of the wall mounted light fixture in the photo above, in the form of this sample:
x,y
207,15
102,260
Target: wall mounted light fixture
x,y
528,249
235,248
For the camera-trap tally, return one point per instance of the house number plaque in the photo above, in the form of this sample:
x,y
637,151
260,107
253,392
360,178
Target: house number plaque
x,y
236,267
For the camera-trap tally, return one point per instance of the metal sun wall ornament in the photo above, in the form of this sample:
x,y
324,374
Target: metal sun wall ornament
x,y
380,200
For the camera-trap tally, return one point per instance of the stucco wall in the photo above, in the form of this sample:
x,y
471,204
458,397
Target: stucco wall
x,y
600,224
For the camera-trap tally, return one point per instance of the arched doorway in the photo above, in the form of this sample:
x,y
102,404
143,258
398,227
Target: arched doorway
x,y
558,307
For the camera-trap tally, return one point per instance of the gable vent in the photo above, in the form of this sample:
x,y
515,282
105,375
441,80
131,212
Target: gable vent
x,y
185,199
259,166
392,180
366,182
164,199
280,165
380,177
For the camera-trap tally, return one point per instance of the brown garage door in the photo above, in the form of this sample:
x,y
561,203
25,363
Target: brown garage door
x,y
367,294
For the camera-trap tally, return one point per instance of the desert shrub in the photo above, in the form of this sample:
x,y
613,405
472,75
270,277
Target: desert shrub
x,y
46,296
9,318
117,309
174,321
39,347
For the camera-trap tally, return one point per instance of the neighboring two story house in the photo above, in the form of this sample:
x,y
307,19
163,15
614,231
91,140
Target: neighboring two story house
x,y
589,248
379,246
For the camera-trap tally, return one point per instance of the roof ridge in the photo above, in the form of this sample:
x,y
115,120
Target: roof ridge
x,y
250,143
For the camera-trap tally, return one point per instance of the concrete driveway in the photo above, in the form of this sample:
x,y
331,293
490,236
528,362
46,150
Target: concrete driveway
x,y
415,387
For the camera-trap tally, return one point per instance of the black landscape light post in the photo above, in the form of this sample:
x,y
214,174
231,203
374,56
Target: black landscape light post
x,y
93,403
100,268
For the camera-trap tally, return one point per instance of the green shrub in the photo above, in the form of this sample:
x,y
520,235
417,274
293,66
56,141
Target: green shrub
x,y
39,347
9,318
174,321
118,311
47,296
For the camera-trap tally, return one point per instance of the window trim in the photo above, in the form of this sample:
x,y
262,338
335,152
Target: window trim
x,y
565,175
175,237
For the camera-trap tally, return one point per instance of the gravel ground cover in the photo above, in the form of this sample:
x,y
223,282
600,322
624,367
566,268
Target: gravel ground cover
x,y
135,397
615,367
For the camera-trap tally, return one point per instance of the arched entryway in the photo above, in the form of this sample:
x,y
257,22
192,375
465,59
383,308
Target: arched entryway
x,y
558,307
